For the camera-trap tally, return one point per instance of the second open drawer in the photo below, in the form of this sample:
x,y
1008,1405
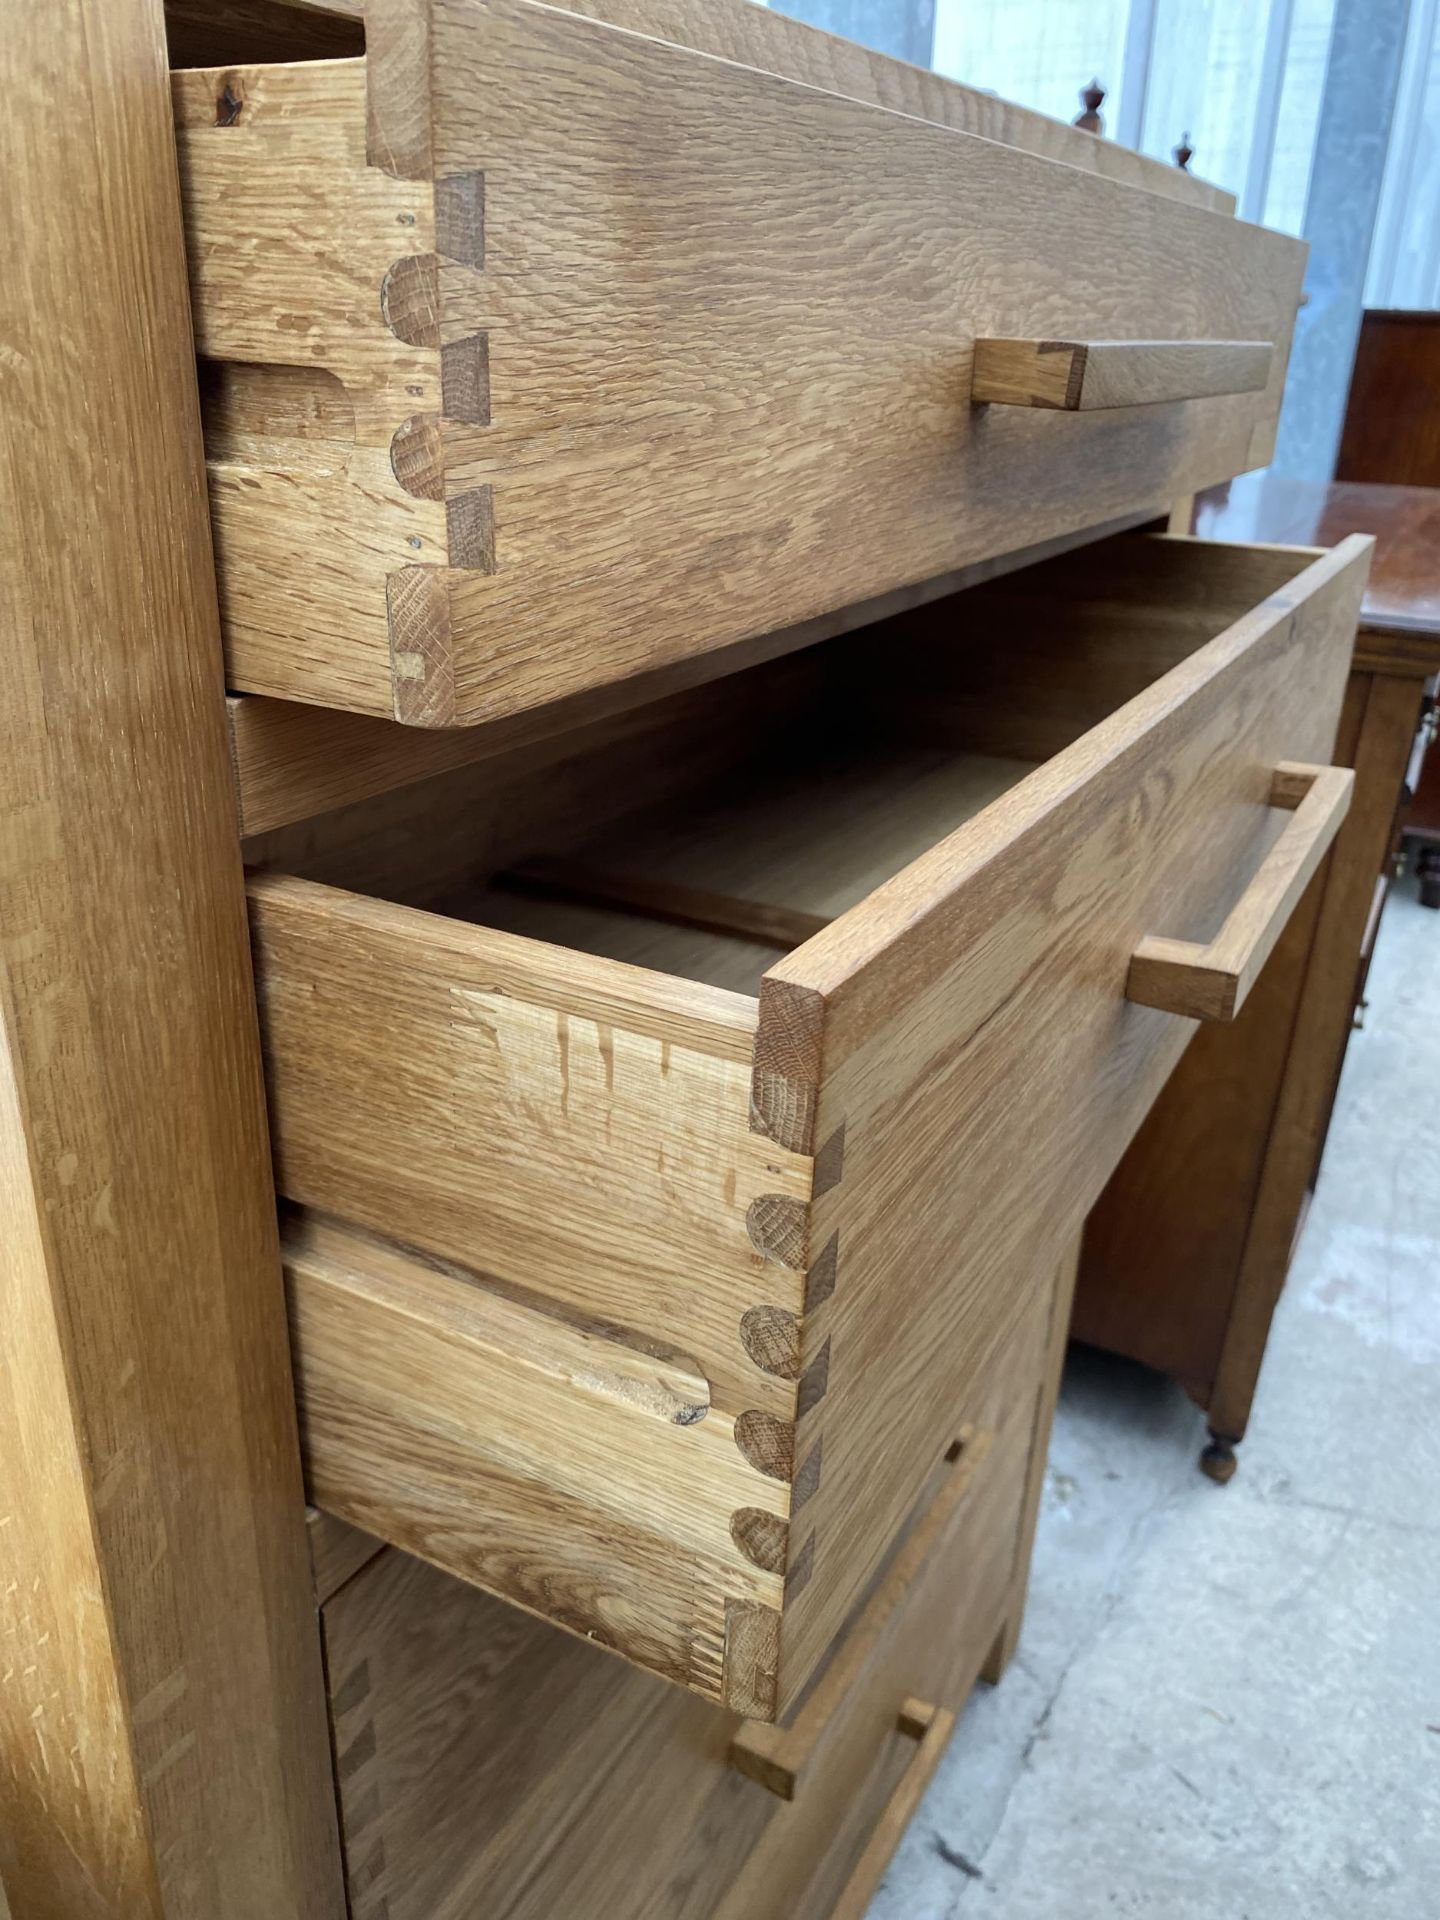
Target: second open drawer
x,y
643,1263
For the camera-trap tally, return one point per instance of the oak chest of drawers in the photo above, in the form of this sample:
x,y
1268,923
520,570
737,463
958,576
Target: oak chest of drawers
x,y
742,823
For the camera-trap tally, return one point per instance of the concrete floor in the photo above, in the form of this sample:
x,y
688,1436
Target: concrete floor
x,y
1226,1701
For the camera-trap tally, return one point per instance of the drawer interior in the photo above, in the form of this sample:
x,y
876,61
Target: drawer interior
x,y
724,828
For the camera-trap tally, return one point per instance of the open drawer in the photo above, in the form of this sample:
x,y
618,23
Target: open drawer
x,y
692,1245
538,353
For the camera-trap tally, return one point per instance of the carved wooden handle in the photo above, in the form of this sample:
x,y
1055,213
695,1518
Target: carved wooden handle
x,y
1211,982
1078,375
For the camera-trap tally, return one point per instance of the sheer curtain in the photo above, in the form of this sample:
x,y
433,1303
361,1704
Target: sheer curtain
x,y
1405,257
1243,79
1322,117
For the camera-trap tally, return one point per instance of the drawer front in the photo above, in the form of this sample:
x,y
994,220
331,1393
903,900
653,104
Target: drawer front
x,y
649,351
727,1266
487,1762
967,1030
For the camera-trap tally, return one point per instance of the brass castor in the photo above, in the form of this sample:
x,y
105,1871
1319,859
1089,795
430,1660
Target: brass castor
x,y
1218,1458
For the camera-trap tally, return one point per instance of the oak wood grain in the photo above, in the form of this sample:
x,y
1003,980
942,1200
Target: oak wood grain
x,y
778,1191
162,1733
293,761
779,423
572,1466
965,1023
486,1756
931,1728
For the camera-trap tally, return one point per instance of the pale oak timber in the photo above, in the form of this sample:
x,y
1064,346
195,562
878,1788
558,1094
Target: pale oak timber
x,y
163,1746
1213,981
962,1026
566,1465
735,30
780,1758
486,1757
489,1099
1079,376
293,761
729,351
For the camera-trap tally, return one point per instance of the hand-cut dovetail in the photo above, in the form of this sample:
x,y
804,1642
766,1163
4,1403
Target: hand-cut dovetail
x,y
410,300
352,1691
465,380
786,1079
762,1537
417,458
460,218
771,1337
778,1227
820,1280
470,530
829,1163
422,668
806,1480
797,1574
360,1751
752,1658
813,1382
767,1442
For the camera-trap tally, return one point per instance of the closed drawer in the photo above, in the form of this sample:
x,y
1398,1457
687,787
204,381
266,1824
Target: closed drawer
x,y
488,1763
685,1272
605,353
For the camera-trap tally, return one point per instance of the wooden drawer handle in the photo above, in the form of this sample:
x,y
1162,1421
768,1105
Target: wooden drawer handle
x,y
1077,376
931,1727
1211,982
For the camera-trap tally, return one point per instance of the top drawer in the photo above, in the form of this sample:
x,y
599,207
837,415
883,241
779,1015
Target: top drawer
x,y
606,352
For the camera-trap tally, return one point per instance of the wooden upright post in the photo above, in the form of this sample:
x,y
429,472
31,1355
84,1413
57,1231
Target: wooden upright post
x,y
162,1736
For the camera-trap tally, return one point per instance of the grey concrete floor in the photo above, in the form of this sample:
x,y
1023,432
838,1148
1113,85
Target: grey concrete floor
x,y
1226,1701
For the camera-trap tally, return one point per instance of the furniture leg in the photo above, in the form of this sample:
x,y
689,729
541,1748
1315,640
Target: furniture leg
x,y
1217,1458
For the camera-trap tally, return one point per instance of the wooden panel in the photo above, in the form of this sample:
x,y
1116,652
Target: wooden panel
x,y
427,841
1078,376
487,1759
757,37
293,761
730,350
931,1727
162,1731
1022,668
575,1467
490,1763
967,1024
1392,416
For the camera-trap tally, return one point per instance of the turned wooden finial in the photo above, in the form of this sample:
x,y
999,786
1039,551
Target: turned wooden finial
x,y
1184,153
1091,97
